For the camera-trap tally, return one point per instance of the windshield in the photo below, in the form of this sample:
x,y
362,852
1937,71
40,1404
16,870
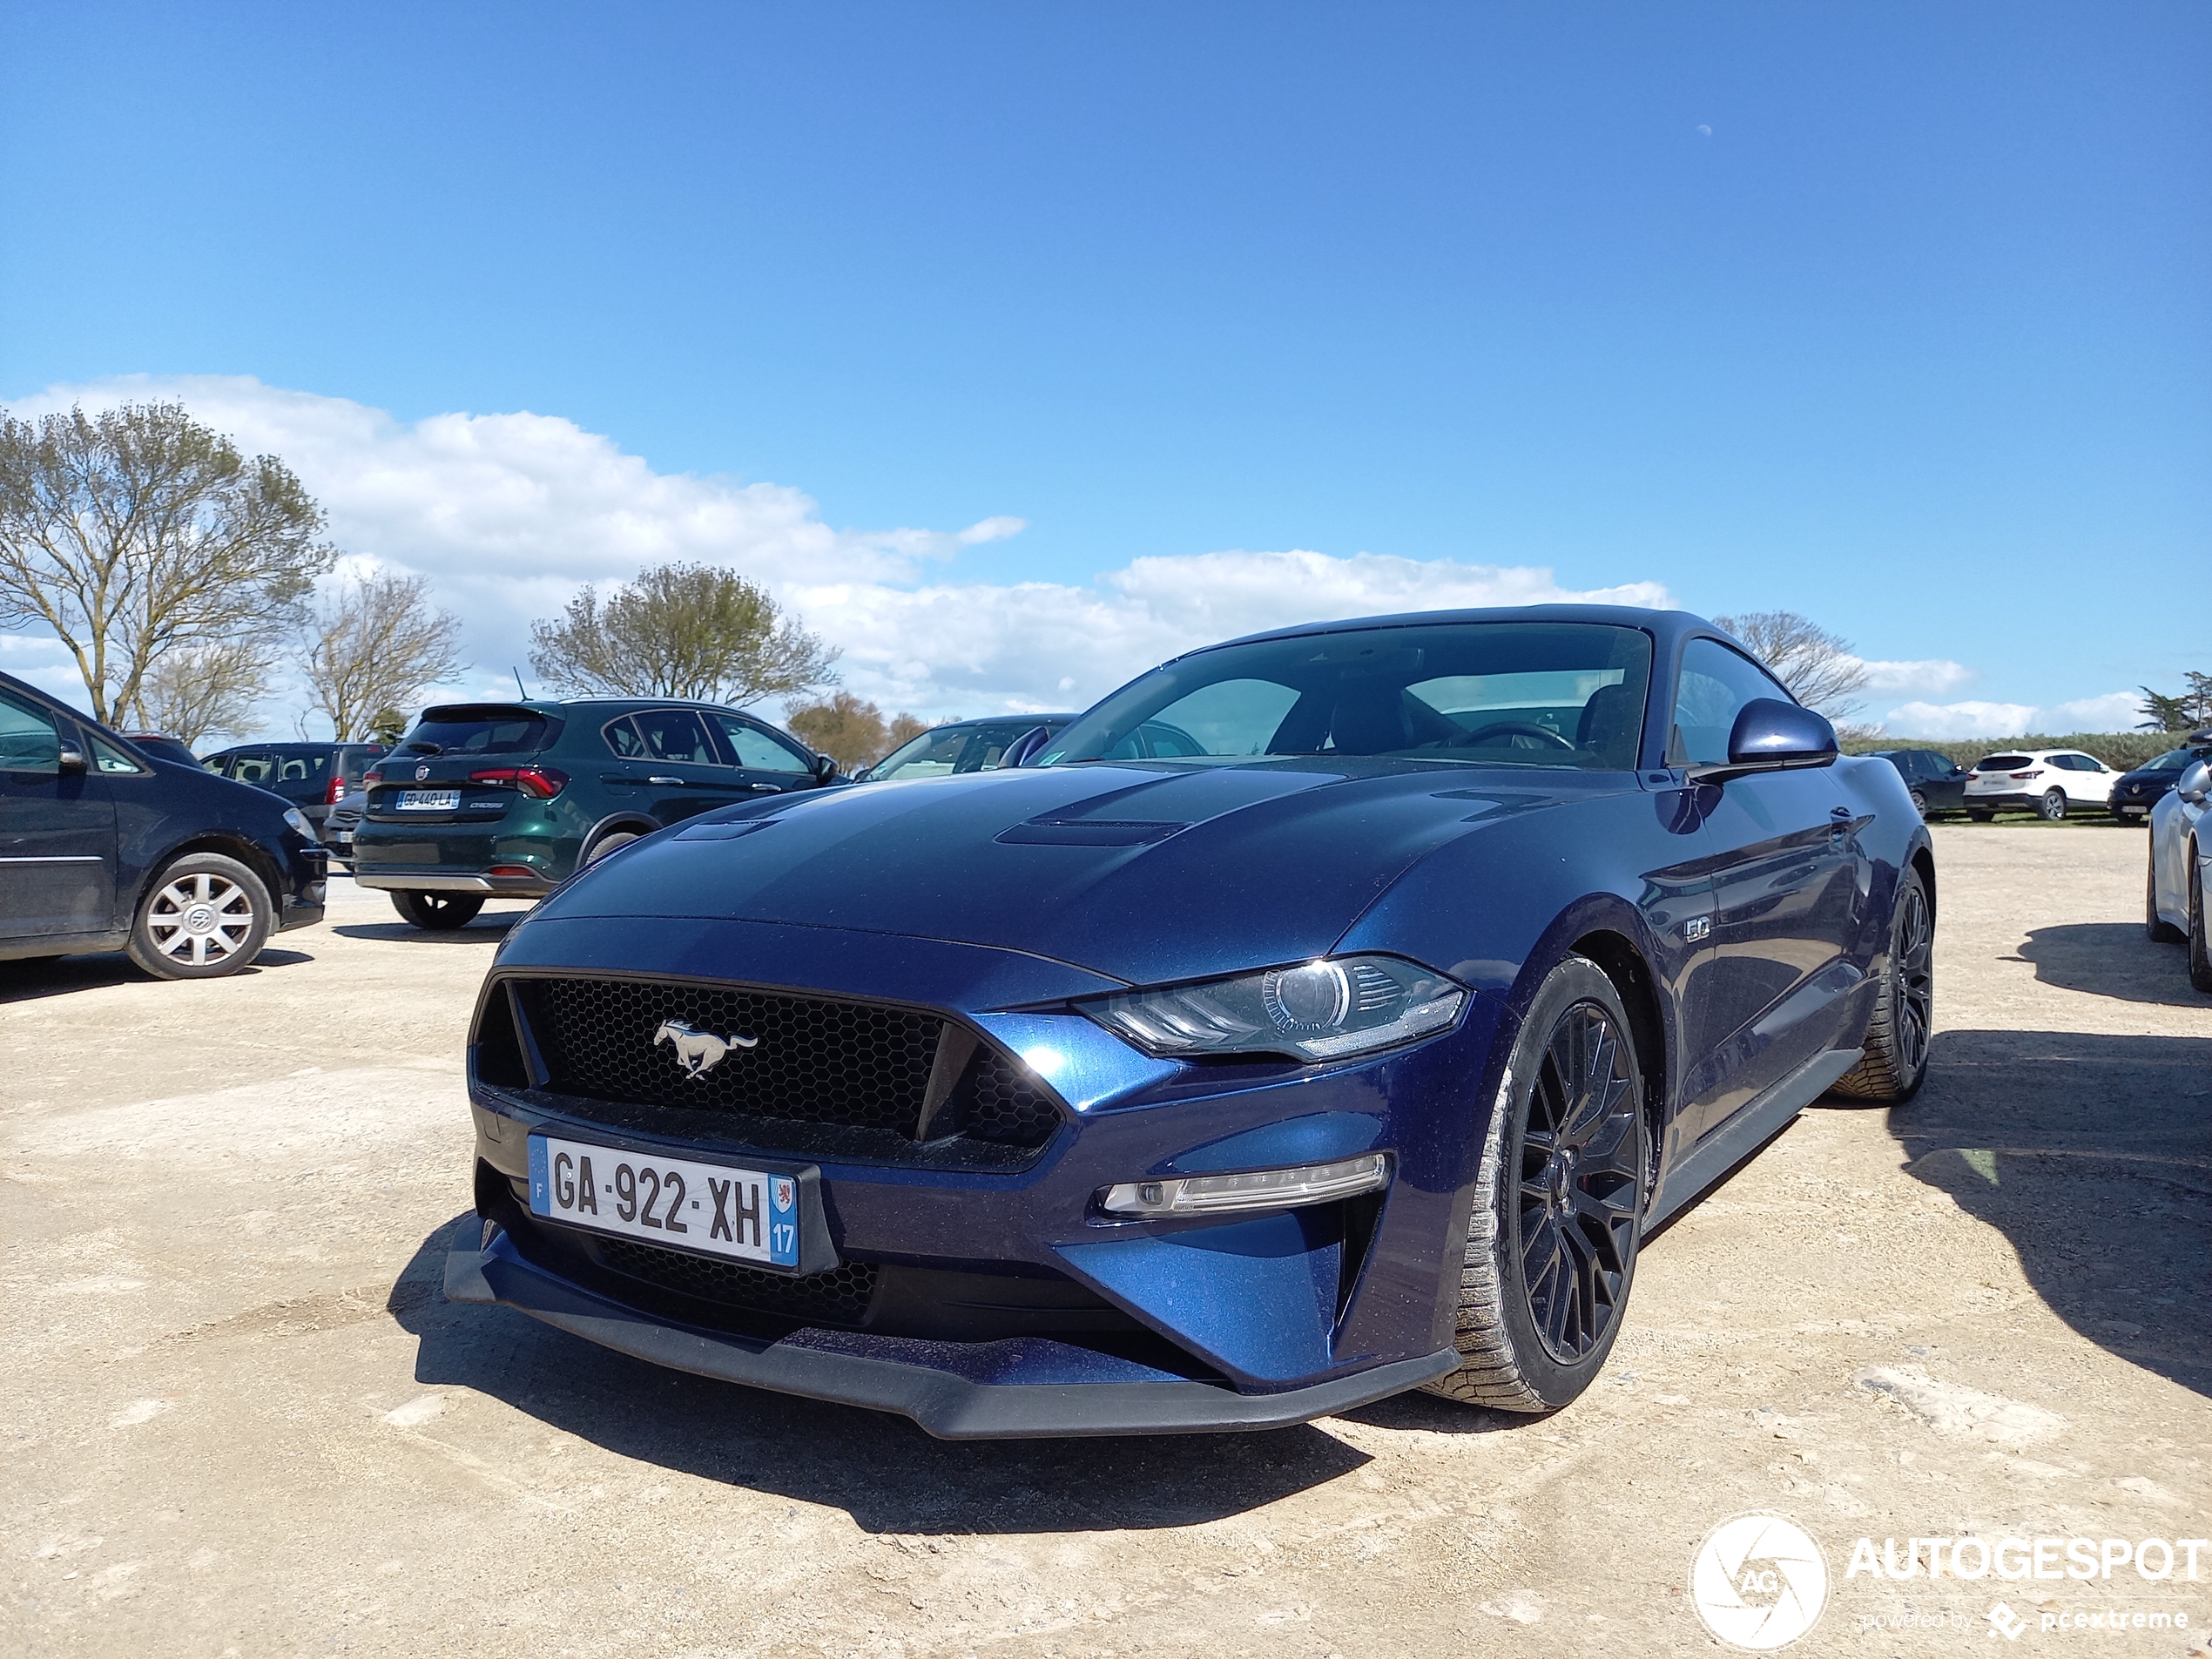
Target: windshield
x,y
954,748
1511,693
2172,760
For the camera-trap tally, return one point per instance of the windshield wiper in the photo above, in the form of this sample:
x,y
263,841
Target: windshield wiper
x,y
427,748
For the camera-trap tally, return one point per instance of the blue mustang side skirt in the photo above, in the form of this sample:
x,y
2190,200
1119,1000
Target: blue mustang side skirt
x,y
956,1391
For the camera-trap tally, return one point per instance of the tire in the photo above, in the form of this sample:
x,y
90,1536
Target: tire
x,y
2160,931
1981,814
204,916
1573,1068
2200,949
606,844
1895,1063
439,912
2052,807
1920,805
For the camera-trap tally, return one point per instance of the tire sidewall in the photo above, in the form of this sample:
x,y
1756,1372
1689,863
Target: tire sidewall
x,y
149,955
1574,980
2052,805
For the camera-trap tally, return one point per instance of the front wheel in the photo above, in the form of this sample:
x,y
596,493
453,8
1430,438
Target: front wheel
x,y
1895,1062
1558,1211
204,916
2199,952
1920,803
439,912
2052,805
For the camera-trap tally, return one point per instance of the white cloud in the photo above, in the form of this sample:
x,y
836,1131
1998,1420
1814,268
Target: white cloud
x,y
508,513
2113,712
1934,676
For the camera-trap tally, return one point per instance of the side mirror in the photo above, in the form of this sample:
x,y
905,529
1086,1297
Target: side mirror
x,y
71,759
824,770
2195,785
1019,752
1770,735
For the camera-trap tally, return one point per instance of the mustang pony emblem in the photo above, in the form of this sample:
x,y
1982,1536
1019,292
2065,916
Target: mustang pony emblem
x,y
700,1051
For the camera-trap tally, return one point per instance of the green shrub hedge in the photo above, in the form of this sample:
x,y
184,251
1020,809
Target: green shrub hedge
x,y
2125,749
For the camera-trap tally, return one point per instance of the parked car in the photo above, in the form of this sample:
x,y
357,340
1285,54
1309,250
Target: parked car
x,y
312,776
511,799
105,845
958,746
1936,782
2178,895
340,823
2049,782
2133,793
1354,1052
162,747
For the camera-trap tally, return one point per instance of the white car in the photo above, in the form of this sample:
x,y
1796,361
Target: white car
x,y
2049,781
2180,886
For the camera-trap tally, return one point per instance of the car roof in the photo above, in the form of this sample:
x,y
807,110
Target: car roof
x,y
999,719
1665,624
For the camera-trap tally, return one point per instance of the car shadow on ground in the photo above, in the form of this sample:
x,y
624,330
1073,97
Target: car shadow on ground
x,y
2112,959
880,1469
2093,1154
26,982
484,930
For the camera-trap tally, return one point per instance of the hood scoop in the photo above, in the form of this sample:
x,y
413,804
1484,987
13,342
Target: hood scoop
x,y
1087,832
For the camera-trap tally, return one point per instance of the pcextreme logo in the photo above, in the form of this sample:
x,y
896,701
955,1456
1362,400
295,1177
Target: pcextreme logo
x,y
1759,1581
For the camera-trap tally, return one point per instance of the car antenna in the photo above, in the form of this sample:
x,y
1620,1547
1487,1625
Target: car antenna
x,y
518,683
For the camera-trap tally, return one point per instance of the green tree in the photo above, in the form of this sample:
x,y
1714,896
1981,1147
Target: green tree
x,y
681,631
389,726
2192,708
139,531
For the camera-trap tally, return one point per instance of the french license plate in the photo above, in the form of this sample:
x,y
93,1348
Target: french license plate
x,y
429,800
746,1214
2135,809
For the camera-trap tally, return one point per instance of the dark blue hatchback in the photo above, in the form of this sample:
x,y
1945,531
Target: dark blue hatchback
x,y
1352,1047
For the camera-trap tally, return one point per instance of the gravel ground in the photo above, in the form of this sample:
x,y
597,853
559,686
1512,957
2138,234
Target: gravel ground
x,y
239,1418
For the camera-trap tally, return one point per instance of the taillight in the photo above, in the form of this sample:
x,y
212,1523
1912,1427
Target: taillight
x,y
539,783
335,792
374,775
2024,776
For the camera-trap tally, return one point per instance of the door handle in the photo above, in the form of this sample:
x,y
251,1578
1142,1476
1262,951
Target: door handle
x,y
678,781
772,789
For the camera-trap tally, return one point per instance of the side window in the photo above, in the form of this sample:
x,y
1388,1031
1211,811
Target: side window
x,y
676,734
28,740
258,769
1715,686
219,764
622,738
760,750
109,758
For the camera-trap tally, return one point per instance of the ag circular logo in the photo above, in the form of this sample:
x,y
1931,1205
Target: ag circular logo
x,y
1759,1581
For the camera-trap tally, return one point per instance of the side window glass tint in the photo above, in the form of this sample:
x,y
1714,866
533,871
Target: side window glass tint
x,y
623,739
757,751
109,758
1715,686
28,741
676,734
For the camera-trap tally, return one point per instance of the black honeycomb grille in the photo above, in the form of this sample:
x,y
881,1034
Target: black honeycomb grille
x,y
1004,1106
839,1297
814,1061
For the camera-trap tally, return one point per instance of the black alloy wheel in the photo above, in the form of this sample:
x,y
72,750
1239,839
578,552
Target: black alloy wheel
x,y
2052,805
1895,1063
439,912
1558,1209
2200,949
2161,931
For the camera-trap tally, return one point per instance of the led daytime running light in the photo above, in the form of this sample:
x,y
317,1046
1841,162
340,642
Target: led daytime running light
x,y
1206,1194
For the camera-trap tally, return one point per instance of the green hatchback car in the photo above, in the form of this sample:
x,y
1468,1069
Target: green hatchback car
x,y
488,800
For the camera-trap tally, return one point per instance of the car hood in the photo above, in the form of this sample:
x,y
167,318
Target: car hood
x,y
1140,873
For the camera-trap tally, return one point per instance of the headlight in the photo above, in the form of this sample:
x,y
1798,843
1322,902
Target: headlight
x,y
296,820
1319,1010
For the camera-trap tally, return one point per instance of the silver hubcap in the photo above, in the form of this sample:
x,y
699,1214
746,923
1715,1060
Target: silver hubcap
x,y
200,919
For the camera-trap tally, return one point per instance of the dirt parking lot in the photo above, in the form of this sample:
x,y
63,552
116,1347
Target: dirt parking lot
x,y
241,1419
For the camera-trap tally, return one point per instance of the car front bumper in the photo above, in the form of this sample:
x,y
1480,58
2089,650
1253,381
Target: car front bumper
x,y
509,887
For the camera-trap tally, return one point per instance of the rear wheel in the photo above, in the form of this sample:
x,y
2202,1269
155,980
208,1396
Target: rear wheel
x,y
607,843
1895,1063
1558,1207
2200,950
2052,805
1920,803
204,916
440,911
2161,931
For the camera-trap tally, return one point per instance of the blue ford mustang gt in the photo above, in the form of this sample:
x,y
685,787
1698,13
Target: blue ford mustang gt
x,y
1349,1051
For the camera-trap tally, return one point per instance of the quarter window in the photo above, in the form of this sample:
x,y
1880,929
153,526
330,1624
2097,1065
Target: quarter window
x,y
1716,683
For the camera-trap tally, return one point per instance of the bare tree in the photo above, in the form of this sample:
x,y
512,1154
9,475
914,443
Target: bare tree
x,y
1817,666
378,645
681,631
139,531
195,691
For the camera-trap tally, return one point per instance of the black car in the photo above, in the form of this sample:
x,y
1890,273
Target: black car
x,y
105,845
1936,782
2137,792
312,776
511,799
959,745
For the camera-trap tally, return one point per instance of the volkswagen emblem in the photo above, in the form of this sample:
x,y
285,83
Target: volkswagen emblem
x,y
699,1052
421,773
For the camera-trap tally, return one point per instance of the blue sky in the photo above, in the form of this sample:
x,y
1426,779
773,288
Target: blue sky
x,y
1899,316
